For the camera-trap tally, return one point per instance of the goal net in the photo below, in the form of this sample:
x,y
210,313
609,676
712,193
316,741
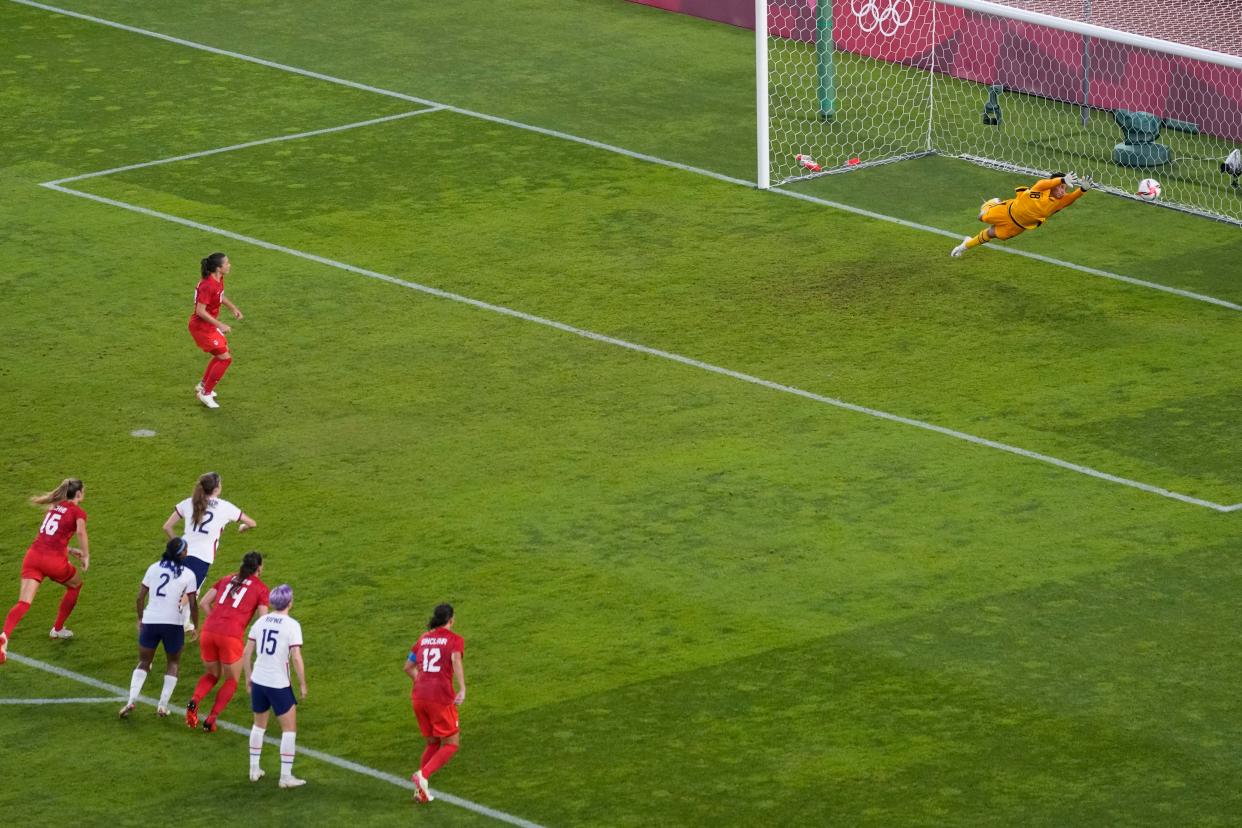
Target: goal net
x,y
1120,90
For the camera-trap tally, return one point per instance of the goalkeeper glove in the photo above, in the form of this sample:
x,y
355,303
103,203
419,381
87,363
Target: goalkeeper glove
x,y
1072,181
1087,182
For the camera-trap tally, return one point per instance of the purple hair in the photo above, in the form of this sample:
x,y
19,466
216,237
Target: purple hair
x,y
281,597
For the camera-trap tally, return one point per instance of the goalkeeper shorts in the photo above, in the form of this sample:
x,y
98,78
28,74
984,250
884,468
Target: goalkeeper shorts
x,y
998,217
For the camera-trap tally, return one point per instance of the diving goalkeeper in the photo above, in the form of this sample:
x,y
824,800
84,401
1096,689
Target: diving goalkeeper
x,y
1028,209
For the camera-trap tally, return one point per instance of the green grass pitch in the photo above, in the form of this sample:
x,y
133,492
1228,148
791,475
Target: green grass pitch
x,y
688,599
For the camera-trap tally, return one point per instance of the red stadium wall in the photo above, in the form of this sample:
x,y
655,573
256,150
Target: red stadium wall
x,y
737,12
1044,62
1023,57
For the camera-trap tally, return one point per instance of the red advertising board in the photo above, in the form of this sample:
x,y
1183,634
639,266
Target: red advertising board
x,y
994,50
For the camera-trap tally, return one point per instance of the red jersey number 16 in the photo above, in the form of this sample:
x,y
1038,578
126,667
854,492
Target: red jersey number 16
x,y
51,523
431,660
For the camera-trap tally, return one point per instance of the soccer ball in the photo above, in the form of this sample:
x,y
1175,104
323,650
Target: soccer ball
x,y
1149,189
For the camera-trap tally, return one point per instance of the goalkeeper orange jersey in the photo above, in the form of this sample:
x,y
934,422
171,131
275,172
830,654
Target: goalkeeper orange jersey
x,y
1033,205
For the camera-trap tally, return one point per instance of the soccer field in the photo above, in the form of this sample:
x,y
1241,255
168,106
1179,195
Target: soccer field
x,y
755,507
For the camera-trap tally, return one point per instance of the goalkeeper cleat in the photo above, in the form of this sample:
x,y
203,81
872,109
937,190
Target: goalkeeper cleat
x,y
987,205
960,249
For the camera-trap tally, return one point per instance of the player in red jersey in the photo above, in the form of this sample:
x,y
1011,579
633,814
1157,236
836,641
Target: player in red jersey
x,y
48,557
433,664
223,639
206,326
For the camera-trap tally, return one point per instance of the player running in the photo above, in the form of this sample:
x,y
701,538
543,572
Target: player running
x,y
237,598
168,582
1027,210
48,557
277,638
437,652
205,515
206,326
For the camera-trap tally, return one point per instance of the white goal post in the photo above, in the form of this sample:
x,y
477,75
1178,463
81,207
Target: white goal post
x,y
1116,89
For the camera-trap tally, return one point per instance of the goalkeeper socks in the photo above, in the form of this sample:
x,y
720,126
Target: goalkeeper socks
x,y
982,238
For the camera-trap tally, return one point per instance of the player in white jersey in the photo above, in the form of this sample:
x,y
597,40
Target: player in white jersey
x,y
205,515
169,584
277,639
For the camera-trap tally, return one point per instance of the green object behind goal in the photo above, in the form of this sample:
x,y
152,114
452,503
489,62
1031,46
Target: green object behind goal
x,y
1139,149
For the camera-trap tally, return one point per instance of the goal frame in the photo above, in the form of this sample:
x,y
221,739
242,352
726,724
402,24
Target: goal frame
x,y
763,171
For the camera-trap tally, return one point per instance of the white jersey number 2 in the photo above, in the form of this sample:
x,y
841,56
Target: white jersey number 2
x,y
431,660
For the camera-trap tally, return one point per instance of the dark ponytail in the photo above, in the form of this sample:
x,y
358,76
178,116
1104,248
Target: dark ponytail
x,y
201,498
172,555
211,264
250,565
441,615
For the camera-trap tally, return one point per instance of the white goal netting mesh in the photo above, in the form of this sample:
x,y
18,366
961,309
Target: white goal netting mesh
x,y
852,83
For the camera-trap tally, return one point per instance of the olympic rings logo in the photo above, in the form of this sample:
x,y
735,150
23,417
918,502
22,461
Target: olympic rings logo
x,y
886,16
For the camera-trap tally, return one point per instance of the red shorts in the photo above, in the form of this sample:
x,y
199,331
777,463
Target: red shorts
x,y
222,648
39,565
209,338
436,720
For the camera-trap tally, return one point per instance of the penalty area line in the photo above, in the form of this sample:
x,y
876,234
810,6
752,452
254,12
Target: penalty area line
x,y
260,142
97,700
655,352
328,758
612,148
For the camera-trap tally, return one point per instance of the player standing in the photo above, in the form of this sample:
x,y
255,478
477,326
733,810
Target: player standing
x,y
277,638
237,598
1027,210
435,661
206,326
205,515
48,557
167,581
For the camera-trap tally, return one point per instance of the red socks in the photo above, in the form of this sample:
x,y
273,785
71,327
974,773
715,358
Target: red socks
x,y
215,370
15,615
66,606
428,752
204,686
442,755
222,698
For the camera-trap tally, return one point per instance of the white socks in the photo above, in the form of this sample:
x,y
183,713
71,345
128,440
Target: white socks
x,y
169,683
256,746
136,681
287,750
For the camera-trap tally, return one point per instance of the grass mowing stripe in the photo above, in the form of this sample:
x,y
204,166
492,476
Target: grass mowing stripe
x,y
248,144
620,151
621,343
346,764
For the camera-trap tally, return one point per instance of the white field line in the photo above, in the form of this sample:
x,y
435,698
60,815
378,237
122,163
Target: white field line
x,y
247,145
112,699
655,352
615,149
346,764
957,237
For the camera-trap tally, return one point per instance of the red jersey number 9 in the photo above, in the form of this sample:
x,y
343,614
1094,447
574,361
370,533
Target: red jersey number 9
x,y
431,660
